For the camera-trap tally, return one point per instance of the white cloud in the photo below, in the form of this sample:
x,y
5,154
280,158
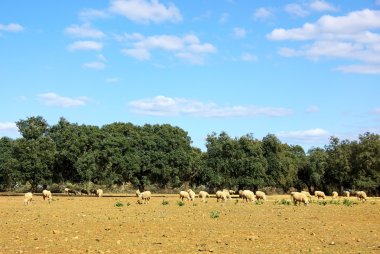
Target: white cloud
x,y
240,32
321,5
346,37
316,135
248,57
53,99
296,9
361,69
167,106
113,80
143,11
88,14
262,13
12,27
8,127
84,31
312,109
85,45
187,47
94,65
224,18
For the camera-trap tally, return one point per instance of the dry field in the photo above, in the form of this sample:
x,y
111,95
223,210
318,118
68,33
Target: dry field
x,y
97,225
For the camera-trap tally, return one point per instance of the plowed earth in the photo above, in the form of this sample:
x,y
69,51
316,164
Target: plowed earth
x,y
96,225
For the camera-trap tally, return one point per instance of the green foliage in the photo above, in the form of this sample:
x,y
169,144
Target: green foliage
x,y
119,204
334,202
165,202
214,214
282,202
322,202
180,203
348,202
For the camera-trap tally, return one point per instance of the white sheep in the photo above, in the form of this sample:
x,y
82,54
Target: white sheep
x,y
228,195
307,194
299,197
191,194
240,194
28,198
66,191
203,195
145,196
99,193
183,195
361,195
334,195
260,195
319,194
248,195
346,194
221,195
47,194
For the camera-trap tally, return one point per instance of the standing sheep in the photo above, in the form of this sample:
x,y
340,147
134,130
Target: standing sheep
x,y
346,194
299,198
47,194
28,198
183,195
145,196
99,193
220,195
203,195
334,195
261,195
319,194
248,195
191,194
66,191
361,195
307,194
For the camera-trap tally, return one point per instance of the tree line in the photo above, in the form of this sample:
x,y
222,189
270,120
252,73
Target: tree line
x,y
162,155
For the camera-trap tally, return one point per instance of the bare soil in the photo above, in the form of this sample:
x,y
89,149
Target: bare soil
x,y
96,225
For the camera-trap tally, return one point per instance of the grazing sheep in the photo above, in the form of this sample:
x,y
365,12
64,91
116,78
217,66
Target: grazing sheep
x,y
334,195
83,191
299,197
28,198
346,194
184,194
319,194
240,194
221,195
261,195
307,194
248,195
99,192
191,194
66,191
145,196
228,195
203,195
47,194
361,195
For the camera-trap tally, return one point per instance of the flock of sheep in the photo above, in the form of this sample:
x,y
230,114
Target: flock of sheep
x,y
223,195
28,197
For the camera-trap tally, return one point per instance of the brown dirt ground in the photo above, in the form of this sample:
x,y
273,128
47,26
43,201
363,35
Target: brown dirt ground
x,y
96,225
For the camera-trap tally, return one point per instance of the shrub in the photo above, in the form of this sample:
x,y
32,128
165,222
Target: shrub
x,y
119,204
55,188
214,214
282,202
348,202
335,202
180,203
324,202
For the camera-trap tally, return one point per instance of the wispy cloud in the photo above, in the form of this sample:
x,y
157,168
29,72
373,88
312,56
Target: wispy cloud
x,y
84,31
8,126
53,99
322,6
224,18
94,65
314,136
89,14
113,80
312,109
240,32
248,57
143,11
12,27
296,9
303,10
262,13
187,47
167,106
342,37
85,45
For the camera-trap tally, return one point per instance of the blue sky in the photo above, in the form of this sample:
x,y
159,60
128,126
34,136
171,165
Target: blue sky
x,y
303,70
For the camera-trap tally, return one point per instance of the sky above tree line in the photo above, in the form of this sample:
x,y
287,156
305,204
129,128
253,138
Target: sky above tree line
x,y
303,70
